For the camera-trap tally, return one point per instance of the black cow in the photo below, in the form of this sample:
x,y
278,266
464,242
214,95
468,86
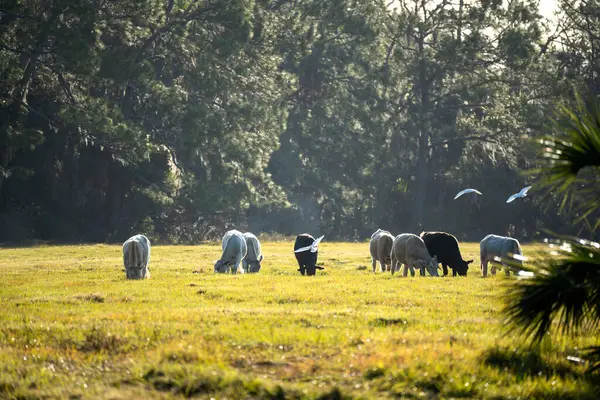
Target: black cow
x,y
444,246
307,260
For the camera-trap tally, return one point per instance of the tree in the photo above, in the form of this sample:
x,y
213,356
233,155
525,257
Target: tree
x,y
566,288
118,115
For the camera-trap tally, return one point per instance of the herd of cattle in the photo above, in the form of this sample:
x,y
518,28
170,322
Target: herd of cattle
x,y
429,249
424,252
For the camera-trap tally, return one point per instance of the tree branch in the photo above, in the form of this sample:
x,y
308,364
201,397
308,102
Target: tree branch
x,y
480,138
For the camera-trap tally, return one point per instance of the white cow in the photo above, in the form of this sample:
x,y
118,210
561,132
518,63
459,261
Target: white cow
x,y
254,255
136,256
234,250
380,247
410,250
500,249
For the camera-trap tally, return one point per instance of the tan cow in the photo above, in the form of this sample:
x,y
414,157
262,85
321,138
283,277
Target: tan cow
x,y
410,250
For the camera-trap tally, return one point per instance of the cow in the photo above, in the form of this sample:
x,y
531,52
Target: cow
x,y
380,247
136,257
444,247
410,250
234,250
307,259
500,249
254,255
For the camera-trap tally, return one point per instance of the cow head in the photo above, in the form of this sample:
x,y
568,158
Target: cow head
x,y
254,266
462,268
431,266
221,267
135,272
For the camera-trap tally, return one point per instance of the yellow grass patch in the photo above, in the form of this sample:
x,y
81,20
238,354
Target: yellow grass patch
x,y
71,325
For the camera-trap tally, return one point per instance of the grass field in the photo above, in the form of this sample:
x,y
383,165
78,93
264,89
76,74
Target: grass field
x,y
71,326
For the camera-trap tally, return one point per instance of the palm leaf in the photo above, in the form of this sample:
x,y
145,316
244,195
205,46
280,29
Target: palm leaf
x,y
570,160
593,356
567,291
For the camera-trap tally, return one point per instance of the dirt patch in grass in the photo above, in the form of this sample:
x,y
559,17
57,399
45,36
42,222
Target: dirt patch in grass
x,y
92,297
388,322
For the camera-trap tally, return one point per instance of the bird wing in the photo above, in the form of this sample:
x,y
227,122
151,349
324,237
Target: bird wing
x,y
301,249
466,191
525,190
313,247
511,198
460,193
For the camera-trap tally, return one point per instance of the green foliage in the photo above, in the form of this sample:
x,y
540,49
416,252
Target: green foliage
x,y
572,158
333,116
566,286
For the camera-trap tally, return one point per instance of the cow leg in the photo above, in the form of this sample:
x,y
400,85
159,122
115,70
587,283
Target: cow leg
x,y
374,262
311,270
445,269
493,269
454,273
382,264
405,271
301,268
506,269
236,268
484,268
245,265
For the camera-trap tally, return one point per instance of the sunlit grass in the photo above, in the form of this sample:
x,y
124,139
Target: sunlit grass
x,y
71,325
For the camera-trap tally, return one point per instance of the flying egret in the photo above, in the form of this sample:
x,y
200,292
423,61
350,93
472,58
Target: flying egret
x,y
522,193
466,191
312,247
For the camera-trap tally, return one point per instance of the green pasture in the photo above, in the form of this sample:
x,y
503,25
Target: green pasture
x,y
71,326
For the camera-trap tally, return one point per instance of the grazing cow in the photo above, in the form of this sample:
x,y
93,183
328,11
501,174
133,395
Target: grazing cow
x,y
445,248
410,250
307,260
380,247
499,249
136,256
254,256
234,250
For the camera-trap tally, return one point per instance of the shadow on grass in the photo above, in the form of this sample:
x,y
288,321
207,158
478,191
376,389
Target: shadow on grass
x,y
528,363
524,363
193,382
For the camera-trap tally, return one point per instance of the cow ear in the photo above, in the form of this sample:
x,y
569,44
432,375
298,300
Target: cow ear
x,y
469,262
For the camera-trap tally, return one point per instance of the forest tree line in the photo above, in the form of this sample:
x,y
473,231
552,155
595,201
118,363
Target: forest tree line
x,y
179,119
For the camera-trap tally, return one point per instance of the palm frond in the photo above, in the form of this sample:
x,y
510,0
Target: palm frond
x,y
592,354
567,290
570,159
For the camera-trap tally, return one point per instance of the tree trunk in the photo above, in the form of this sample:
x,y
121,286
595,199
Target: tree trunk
x,y
422,172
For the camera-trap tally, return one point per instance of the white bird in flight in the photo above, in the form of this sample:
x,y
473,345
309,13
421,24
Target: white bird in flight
x,y
466,191
522,193
312,247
